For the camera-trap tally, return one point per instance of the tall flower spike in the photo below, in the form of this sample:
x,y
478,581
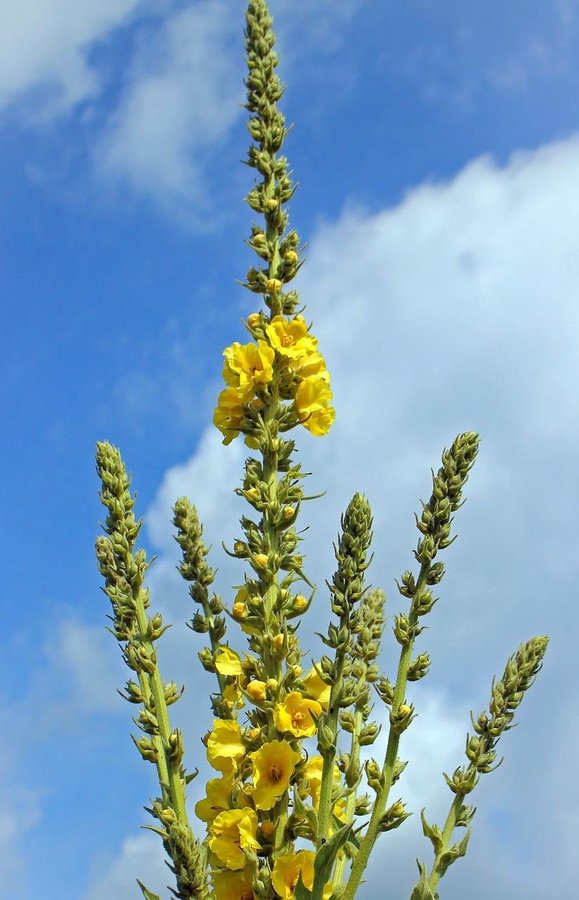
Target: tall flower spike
x,y
195,569
506,696
435,527
283,363
124,569
268,131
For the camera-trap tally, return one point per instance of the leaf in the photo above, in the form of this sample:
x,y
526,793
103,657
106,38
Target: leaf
x,y
453,853
432,832
326,855
147,894
422,890
301,892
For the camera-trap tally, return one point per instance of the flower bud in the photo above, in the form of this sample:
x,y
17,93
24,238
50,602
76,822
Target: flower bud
x,y
256,690
273,286
239,610
300,603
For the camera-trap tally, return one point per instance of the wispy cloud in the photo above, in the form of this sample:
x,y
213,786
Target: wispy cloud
x,y
45,49
182,96
139,857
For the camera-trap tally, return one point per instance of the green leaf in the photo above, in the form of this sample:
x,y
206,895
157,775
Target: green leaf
x,y
147,894
453,853
432,832
301,892
326,855
422,890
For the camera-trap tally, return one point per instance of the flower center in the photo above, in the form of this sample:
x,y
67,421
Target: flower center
x,y
298,719
274,773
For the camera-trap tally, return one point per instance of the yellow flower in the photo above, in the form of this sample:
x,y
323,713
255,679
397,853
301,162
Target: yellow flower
x,y
227,662
290,337
286,873
218,798
295,715
273,766
233,885
231,833
313,398
312,772
339,810
312,365
248,366
232,694
316,687
229,414
225,745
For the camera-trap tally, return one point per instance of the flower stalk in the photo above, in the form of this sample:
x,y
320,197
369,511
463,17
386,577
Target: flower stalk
x,y
506,695
286,745
124,571
435,529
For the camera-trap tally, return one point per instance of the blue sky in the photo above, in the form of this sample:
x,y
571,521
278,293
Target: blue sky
x,y
437,151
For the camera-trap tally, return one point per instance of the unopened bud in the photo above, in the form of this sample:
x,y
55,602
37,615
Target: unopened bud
x,y
256,690
267,828
300,603
273,286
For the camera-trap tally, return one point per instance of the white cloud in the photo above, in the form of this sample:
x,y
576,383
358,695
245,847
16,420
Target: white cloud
x,y
86,658
140,857
182,97
455,310
20,810
45,46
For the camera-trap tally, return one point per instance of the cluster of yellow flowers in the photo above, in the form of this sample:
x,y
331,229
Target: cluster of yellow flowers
x,y
282,363
239,805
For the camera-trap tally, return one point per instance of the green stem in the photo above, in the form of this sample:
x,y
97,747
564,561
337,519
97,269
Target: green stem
x,y
447,833
327,782
169,776
351,801
389,767
221,679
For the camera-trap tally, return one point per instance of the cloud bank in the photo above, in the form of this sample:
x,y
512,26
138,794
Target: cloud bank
x,y
455,310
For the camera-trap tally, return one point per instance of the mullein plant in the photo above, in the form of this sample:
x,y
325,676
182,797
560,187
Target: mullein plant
x,y
297,804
